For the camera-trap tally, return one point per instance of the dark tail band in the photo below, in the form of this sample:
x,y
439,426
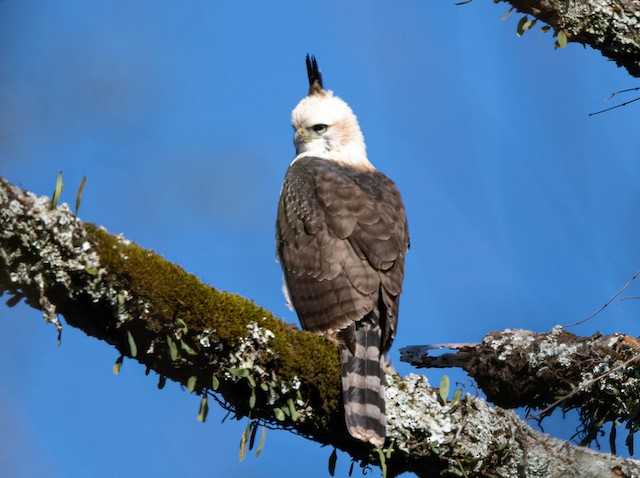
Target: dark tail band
x,y
363,389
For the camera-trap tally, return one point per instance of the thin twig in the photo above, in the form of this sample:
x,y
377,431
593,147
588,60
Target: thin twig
x,y
622,91
614,107
618,106
605,305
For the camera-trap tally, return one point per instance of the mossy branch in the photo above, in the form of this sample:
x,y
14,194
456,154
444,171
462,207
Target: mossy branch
x,y
611,26
259,366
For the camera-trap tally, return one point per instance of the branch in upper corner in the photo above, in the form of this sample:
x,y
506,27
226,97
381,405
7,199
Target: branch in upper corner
x,y
611,27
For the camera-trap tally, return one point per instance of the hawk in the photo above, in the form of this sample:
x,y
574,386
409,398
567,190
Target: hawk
x,y
341,238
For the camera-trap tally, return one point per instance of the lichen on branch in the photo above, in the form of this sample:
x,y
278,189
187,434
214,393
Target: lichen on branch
x,y
610,26
220,344
123,294
597,375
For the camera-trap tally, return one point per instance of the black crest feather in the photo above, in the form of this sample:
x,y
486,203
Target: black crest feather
x,y
315,77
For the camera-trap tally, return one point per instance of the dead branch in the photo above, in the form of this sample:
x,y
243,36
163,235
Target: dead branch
x,y
596,375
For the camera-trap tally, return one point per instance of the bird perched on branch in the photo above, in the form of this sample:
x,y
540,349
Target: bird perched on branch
x,y
341,238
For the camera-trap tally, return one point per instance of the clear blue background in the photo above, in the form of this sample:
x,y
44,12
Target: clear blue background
x,y
523,210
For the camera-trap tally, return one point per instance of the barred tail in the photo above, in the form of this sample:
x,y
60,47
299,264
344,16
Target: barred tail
x,y
363,385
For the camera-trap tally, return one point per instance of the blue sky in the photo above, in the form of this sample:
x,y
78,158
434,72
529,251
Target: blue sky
x,y
523,210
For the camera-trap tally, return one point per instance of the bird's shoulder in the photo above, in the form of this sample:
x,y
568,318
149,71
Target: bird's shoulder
x,y
336,180
324,195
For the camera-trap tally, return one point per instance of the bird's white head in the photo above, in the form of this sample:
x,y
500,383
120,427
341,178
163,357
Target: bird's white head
x,y
325,126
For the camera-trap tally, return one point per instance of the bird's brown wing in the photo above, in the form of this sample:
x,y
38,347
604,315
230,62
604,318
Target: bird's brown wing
x,y
341,238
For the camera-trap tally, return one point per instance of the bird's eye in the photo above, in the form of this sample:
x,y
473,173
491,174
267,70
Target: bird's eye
x,y
319,128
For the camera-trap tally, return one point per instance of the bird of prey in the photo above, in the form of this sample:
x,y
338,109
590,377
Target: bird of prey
x,y
341,238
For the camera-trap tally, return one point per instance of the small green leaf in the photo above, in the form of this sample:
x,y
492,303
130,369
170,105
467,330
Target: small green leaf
x,y
444,388
55,197
292,410
183,326
506,15
215,383
187,348
383,461
525,24
562,39
173,350
520,29
389,449
252,399
79,193
264,387
238,372
279,414
252,382
333,458
133,348
263,436
456,397
532,23
204,409
470,405
191,383
91,271
118,365
243,441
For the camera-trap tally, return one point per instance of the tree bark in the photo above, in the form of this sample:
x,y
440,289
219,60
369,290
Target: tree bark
x,y
597,376
222,346
611,26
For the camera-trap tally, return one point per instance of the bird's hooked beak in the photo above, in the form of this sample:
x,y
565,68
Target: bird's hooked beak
x,y
302,139
300,135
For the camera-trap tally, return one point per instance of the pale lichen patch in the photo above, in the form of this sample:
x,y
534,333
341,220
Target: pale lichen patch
x,y
251,348
413,410
467,434
245,362
54,253
550,347
510,340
